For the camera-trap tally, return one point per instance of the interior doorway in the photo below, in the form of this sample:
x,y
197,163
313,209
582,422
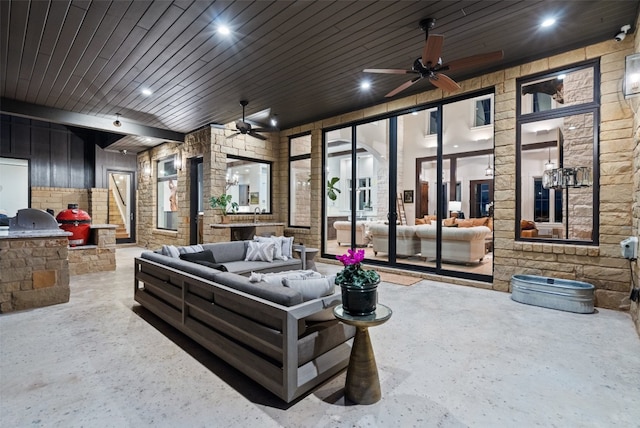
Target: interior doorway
x,y
480,197
121,205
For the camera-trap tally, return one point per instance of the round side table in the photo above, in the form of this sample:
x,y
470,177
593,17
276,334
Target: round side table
x,y
362,385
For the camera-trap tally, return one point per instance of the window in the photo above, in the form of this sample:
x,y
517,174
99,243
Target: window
x,y
483,114
557,152
248,181
432,128
300,181
167,202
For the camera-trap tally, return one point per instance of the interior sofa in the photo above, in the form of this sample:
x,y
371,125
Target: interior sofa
x,y
459,244
343,233
407,244
277,332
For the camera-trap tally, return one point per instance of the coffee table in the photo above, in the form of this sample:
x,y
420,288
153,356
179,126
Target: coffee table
x,y
363,384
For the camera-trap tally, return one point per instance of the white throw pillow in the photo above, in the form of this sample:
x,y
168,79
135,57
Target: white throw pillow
x,y
277,245
258,251
311,288
276,278
287,246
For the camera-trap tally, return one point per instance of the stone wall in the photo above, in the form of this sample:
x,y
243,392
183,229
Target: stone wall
x,y
213,146
93,201
600,265
58,198
635,106
34,272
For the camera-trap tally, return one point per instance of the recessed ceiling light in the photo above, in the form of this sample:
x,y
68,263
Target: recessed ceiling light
x,y
414,113
224,30
365,85
548,22
146,92
562,76
274,122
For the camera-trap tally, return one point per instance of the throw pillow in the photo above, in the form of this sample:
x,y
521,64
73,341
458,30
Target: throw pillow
x,y
276,278
451,221
205,255
287,246
277,245
188,249
464,223
206,263
420,221
527,225
171,251
259,252
311,288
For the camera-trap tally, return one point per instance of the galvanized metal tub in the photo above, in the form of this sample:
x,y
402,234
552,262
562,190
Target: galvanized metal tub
x,y
561,294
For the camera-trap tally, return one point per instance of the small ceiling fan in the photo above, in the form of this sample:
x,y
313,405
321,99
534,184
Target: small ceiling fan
x,y
430,64
243,127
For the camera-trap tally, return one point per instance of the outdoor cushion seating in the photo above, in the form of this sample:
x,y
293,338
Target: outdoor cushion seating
x,y
276,333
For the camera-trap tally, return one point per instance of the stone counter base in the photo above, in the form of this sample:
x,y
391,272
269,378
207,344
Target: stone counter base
x,y
34,273
95,258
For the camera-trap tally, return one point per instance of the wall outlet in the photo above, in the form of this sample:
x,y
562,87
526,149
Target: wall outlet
x,y
629,248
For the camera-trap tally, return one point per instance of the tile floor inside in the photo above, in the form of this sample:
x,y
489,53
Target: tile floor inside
x,y
450,356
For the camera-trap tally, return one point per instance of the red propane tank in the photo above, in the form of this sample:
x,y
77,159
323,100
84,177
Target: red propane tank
x,y
77,222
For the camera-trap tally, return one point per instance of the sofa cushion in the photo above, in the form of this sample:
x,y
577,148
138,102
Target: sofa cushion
x,y
465,223
274,293
287,246
527,225
183,265
260,251
245,268
227,251
311,288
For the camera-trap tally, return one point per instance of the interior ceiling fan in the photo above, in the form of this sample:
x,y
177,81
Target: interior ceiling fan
x,y
243,127
430,64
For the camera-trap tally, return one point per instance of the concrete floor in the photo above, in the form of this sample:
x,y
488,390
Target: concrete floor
x,y
450,356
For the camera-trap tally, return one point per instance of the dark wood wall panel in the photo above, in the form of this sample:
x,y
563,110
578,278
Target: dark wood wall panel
x,y
60,157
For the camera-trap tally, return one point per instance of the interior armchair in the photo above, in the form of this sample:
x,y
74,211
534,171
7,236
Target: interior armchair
x,y
343,233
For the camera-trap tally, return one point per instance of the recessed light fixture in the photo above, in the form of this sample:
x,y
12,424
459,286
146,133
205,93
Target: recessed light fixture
x,y
365,85
224,30
548,22
146,92
414,113
562,76
274,122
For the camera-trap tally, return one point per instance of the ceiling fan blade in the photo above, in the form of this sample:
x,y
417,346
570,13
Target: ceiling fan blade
x,y
263,129
255,135
234,134
444,82
432,50
388,71
404,86
474,60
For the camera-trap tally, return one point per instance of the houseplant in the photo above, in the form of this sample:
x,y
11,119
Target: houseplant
x,y
224,204
359,286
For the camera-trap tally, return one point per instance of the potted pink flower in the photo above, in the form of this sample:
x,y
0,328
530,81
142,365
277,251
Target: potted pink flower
x,y
359,286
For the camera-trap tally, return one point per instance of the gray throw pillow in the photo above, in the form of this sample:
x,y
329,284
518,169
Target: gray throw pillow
x,y
170,250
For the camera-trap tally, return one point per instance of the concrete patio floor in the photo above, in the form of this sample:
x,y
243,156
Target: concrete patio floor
x,y
450,356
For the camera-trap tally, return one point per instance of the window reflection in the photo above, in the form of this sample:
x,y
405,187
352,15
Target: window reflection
x,y
248,181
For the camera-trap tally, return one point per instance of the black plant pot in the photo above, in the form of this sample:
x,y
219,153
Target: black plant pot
x,y
359,300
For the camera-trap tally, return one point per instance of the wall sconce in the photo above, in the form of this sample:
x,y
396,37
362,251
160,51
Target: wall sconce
x,y
177,161
564,178
489,171
632,76
231,181
147,169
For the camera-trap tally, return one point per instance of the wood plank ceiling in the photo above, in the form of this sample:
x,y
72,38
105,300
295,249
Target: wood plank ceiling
x,y
303,60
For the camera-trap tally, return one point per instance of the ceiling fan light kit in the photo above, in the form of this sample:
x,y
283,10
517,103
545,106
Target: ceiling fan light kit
x,y
430,64
244,128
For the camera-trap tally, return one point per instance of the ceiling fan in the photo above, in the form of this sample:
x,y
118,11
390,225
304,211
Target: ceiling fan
x,y
430,64
243,127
